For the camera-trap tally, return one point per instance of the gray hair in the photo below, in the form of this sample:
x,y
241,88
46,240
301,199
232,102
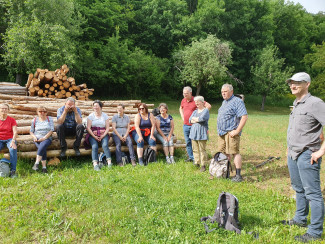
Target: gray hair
x,y
163,105
6,104
229,86
188,88
199,98
70,99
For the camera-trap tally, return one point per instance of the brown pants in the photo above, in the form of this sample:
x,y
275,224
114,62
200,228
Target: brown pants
x,y
199,152
228,144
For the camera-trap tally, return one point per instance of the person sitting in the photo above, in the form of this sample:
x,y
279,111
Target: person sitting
x,y
41,130
69,123
98,128
8,135
164,132
199,132
121,129
144,127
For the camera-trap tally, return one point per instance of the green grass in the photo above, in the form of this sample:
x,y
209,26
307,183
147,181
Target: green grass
x,y
155,204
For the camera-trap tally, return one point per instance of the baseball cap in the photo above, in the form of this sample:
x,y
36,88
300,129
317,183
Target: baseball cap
x,y
299,77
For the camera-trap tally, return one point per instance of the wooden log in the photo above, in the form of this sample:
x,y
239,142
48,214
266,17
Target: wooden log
x,y
48,76
55,85
55,79
68,94
31,91
9,84
66,85
47,86
51,88
60,82
41,76
36,88
29,80
40,92
37,73
35,82
83,86
64,78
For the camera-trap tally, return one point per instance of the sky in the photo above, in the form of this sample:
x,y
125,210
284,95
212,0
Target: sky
x,y
312,6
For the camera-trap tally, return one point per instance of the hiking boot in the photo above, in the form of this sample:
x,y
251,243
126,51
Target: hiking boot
x,y
96,167
133,163
77,151
63,151
13,174
35,167
307,238
203,168
293,222
44,170
237,178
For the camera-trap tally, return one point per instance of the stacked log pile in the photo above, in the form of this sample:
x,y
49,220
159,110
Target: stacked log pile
x,y
56,84
23,109
12,89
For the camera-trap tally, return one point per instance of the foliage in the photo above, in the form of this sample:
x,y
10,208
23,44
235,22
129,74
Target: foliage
x,y
270,74
203,62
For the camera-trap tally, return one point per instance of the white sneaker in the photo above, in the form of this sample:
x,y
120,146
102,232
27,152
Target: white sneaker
x,y
35,167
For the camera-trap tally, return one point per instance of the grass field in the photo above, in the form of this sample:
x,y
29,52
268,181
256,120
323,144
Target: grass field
x,y
155,204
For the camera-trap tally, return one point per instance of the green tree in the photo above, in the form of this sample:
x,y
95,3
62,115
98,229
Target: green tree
x,y
203,62
270,74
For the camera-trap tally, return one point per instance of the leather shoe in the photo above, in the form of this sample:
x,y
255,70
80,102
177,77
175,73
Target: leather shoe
x,y
293,222
63,151
77,151
307,238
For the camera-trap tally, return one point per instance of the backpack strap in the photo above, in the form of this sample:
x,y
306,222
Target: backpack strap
x,y
34,123
231,223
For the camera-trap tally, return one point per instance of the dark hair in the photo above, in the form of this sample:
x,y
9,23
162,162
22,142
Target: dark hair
x,y
163,105
122,105
144,105
99,103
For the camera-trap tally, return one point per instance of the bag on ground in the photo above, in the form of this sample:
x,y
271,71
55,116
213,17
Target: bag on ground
x,y
149,156
226,214
4,167
220,166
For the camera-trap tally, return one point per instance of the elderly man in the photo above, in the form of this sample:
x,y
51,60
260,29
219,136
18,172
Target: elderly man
x,y
69,124
186,109
304,156
232,117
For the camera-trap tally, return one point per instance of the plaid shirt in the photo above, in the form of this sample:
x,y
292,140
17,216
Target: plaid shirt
x,y
229,115
70,121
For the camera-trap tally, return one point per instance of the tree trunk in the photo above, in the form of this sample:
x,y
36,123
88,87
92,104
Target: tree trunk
x,y
19,78
263,102
198,89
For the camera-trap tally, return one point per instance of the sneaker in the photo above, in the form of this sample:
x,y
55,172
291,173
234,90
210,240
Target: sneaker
x,y
307,238
100,164
134,163
203,168
121,164
63,151
77,151
123,161
168,161
35,167
237,178
189,160
172,160
44,170
109,163
96,167
13,174
293,222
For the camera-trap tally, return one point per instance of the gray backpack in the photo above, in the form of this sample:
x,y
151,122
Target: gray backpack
x,y
226,213
220,166
4,167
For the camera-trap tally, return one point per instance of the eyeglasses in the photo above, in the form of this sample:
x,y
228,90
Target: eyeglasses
x,y
42,111
296,83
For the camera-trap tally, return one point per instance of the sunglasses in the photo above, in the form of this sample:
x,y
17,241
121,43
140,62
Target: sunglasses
x,y
140,108
42,111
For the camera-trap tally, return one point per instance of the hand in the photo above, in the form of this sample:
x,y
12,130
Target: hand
x,y
100,138
66,108
169,137
140,139
316,155
233,133
165,138
124,138
41,139
152,137
13,145
35,139
194,120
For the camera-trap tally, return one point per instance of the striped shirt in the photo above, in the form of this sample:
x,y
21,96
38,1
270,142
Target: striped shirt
x,y
41,128
70,120
229,113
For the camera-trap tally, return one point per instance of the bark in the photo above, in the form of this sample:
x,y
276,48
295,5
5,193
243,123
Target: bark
x,y
263,102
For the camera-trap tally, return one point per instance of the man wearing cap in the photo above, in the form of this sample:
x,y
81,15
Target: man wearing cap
x,y
186,109
305,150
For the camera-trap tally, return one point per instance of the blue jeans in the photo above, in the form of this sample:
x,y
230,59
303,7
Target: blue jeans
x,y
41,148
169,143
118,151
187,130
94,147
12,152
145,138
305,180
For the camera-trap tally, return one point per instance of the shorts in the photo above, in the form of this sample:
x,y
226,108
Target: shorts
x,y
228,145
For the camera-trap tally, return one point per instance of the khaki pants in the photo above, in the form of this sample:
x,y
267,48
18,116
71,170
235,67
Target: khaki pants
x,y
199,152
228,144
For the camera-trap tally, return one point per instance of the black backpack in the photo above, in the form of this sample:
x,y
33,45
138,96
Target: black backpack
x,y
226,213
149,156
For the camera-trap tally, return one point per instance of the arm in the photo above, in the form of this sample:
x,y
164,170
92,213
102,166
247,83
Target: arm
x,y
193,119
115,131
77,116
204,116
32,130
137,127
159,130
90,132
61,118
207,105
153,126
240,126
171,130
106,129
48,135
181,112
127,130
316,155
13,141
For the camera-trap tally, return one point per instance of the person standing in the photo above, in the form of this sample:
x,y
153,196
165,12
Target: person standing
x,y
232,117
8,135
69,123
186,109
305,150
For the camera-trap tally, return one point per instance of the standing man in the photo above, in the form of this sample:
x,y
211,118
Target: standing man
x,y
304,157
232,117
186,109
69,123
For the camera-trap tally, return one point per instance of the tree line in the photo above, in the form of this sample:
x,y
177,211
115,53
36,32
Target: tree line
x,y
150,48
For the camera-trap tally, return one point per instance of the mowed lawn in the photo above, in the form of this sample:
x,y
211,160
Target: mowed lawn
x,y
155,204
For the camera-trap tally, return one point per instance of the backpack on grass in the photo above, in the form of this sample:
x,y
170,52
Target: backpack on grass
x,y
226,214
4,167
149,156
220,166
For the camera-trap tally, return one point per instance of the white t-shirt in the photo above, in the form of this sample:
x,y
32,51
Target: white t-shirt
x,y
98,121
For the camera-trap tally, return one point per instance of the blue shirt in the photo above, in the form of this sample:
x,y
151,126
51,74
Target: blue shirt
x,y
121,124
199,131
41,128
229,113
70,121
165,123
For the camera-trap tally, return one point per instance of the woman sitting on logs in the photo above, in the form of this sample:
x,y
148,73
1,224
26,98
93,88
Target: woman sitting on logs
x,y
98,128
8,135
144,127
121,129
41,130
165,130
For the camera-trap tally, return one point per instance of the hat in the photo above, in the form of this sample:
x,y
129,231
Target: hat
x,y
299,77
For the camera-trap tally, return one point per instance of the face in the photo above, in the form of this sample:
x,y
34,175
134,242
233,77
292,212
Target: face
x,y
42,112
187,95
3,109
199,104
120,109
163,110
142,110
70,105
226,93
298,88
96,107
